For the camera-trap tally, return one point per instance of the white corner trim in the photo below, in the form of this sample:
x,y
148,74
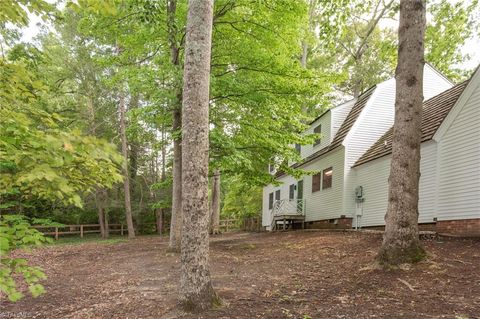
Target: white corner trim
x,y
457,108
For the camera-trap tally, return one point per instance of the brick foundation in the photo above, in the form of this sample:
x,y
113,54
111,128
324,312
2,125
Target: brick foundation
x,y
462,227
421,227
334,223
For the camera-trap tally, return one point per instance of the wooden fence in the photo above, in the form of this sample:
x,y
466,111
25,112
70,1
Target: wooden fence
x,y
83,229
252,224
226,225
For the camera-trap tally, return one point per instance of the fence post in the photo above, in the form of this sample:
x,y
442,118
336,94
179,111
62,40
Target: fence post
x,y
121,229
56,233
81,231
227,221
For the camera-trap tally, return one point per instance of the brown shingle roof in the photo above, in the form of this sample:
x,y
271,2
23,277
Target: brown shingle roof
x,y
434,112
342,131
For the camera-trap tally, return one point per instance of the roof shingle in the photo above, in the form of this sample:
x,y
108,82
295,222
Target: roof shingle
x,y
342,131
434,112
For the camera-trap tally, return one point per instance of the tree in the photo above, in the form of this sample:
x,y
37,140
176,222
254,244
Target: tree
x,y
177,216
400,240
215,207
196,291
354,39
126,177
42,158
452,24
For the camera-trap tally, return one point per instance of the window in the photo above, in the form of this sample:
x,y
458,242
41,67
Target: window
x,y
317,130
327,178
298,148
316,182
271,168
270,201
277,195
291,194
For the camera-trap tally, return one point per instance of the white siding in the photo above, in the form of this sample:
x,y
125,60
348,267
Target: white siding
x,y
428,181
339,113
433,83
459,163
284,192
377,118
265,210
325,204
373,177
374,120
325,122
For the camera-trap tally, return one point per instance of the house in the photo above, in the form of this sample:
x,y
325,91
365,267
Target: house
x,y
449,199
351,161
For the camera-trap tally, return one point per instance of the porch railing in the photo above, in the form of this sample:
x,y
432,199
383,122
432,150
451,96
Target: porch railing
x,y
289,207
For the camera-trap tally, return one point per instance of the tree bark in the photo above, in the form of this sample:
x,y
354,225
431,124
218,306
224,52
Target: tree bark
x,y
176,219
215,209
303,58
196,290
101,212
176,215
126,182
133,154
160,213
106,224
100,194
400,241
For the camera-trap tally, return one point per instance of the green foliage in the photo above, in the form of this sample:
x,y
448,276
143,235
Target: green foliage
x,y
259,89
16,233
364,52
14,11
241,200
452,24
39,158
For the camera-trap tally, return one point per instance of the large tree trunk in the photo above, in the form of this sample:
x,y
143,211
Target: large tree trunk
x,y
176,216
400,241
196,291
126,182
215,209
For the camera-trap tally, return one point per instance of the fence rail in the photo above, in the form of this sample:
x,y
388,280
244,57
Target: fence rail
x,y
81,229
226,225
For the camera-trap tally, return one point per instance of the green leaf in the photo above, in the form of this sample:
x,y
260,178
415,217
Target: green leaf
x,y
36,290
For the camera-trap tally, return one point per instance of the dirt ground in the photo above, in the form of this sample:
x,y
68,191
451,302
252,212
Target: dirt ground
x,y
301,274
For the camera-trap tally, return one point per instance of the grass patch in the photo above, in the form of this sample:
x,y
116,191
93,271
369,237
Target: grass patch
x,y
89,238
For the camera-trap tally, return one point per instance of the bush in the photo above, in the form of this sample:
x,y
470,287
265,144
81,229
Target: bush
x,y
16,232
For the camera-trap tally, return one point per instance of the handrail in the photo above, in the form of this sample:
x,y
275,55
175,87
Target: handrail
x,y
287,207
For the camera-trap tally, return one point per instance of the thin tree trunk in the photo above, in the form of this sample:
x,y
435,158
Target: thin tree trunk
x,y
176,219
126,182
133,152
106,225
160,213
303,59
400,241
196,290
99,193
100,212
159,220
176,216
215,209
